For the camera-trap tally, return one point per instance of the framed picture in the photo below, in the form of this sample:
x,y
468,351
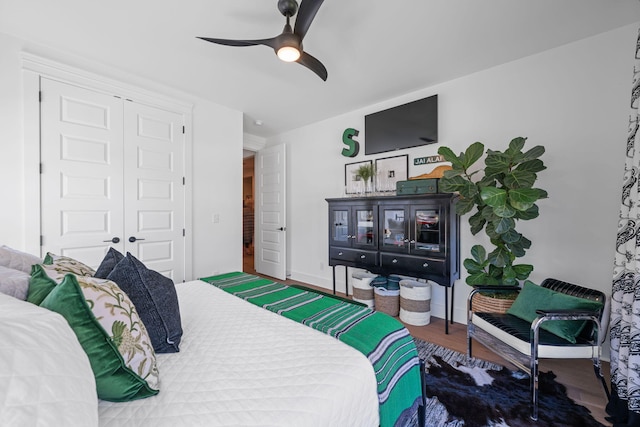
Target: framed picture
x,y
353,184
390,170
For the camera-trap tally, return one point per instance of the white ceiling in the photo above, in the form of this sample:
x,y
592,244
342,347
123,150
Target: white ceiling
x,y
373,50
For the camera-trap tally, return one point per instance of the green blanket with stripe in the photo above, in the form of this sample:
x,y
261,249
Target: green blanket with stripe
x,y
384,340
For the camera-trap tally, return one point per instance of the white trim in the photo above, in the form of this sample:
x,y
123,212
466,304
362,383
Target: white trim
x,y
252,142
33,69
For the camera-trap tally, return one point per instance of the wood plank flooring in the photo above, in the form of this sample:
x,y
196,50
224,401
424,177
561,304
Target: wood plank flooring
x,y
576,375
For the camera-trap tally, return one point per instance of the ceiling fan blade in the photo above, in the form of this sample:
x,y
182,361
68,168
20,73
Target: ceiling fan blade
x,y
226,42
313,64
306,13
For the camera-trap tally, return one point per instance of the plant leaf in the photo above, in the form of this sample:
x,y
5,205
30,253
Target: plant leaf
x,y
464,206
535,166
499,257
505,211
481,279
472,267
523,198
517,144
530,213
479,254
493,196
503,225
472,154
534,153
520,179
477,222
522,270
450,156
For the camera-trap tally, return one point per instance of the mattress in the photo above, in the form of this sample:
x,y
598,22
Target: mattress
x,y
240,365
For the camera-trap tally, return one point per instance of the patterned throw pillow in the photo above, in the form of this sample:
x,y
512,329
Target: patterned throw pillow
x,y
45,277
156,300
110,260
70,265
111,333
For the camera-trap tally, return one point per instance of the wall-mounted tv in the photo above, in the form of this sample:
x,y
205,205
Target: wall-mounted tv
x,y
404,126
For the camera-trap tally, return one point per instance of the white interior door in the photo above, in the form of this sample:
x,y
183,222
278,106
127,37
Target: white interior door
x,y
81,180
154,188
112,175
270,205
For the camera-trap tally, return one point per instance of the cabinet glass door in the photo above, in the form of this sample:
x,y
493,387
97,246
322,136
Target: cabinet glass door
x,y
427,230
365,227
394,229
340,226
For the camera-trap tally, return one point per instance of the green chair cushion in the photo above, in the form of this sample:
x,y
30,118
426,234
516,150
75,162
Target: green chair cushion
x,y
533,297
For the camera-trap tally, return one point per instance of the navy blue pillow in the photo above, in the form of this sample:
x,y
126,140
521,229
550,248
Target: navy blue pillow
x,y
155,299
110,260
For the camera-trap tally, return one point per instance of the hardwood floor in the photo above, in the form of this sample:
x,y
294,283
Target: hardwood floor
x,y
575,374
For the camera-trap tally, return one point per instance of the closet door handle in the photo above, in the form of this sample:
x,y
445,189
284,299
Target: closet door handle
x,y
133,239
114,240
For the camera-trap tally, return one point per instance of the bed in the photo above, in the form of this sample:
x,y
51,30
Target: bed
x,y
238,365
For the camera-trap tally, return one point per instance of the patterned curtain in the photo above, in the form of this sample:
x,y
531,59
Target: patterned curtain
x,y
624,406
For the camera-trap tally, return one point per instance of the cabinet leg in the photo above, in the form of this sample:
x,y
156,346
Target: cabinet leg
x,y
446,310
334,279
452,295
346,280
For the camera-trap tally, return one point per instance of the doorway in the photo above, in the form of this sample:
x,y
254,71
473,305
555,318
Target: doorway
x,y
248,212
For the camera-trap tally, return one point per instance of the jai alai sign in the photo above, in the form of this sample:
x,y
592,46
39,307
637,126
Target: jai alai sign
x,y
428,160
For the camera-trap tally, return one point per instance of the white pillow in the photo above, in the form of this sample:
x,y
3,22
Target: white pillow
x,y
45,376
17,260
14,282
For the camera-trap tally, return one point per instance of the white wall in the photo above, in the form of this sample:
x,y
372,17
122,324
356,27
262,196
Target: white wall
x,y
573,100
216,161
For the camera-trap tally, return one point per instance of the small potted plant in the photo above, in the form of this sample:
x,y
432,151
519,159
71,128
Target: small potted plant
x,y
502,193
366,172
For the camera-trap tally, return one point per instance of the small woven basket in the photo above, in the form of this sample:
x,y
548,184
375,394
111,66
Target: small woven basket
x,y
387,301
487,304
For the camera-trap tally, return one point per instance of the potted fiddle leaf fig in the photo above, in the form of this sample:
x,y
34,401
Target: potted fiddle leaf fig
x,y
498,195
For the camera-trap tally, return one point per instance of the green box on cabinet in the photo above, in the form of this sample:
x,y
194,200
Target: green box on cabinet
x,y
417,186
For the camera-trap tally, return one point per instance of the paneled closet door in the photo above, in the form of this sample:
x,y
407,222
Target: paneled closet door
x,y
81,183
154,188
112,175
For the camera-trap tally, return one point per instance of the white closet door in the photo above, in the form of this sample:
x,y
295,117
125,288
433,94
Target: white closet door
x,y
81,180
154,189
112,175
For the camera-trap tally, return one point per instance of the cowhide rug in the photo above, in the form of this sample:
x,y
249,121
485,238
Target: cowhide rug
x,y
477,393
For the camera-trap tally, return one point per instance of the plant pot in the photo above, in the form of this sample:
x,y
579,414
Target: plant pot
x,y
483,303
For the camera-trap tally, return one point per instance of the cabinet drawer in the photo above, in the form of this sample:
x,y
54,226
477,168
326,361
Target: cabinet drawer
x,y
352,256
413,264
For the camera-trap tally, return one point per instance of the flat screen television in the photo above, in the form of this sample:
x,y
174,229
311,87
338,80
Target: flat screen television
x,y
404,126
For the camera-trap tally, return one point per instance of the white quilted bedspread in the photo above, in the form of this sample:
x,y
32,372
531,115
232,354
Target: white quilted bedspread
x,y
240,365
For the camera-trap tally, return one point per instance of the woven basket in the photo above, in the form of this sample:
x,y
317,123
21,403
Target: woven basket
x,y
487,304
387,301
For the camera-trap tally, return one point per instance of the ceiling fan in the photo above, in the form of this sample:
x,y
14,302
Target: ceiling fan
x,y
288,44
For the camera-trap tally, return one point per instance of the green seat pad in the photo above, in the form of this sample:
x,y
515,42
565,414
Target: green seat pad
x,y
533,297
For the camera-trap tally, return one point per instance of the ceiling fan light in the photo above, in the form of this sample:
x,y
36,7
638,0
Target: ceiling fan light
x,y
288,54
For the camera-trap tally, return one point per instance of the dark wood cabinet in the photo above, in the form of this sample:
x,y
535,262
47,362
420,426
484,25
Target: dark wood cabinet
x,y
415,236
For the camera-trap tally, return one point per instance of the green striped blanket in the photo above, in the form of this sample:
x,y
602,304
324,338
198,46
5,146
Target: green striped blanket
x,y
385,341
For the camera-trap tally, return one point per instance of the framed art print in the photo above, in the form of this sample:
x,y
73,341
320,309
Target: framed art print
x,y
390,170
353,184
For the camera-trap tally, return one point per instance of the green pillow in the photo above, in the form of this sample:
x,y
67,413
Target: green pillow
x,y
533,297
111,333
40,283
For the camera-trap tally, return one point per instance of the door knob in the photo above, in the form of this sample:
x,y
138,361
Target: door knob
x,y
114,240
133,239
